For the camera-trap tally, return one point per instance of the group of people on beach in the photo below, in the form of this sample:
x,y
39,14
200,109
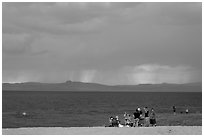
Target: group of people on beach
x,y
139,118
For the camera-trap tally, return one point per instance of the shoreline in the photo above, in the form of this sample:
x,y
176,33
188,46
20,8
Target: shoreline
x,y
159,130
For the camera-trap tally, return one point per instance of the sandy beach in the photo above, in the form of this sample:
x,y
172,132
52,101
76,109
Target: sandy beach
x,y
160,130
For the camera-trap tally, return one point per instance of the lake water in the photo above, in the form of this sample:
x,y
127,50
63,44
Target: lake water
x,y
79,109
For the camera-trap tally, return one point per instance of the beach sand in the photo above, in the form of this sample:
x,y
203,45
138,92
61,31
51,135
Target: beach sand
x,y
159,130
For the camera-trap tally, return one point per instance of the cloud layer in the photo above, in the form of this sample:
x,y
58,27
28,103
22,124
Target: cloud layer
x,y
111,43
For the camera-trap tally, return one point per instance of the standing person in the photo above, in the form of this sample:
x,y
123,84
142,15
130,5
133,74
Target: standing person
x,y
187,111
136,116
115,122
126,118
129,121
110,121
152,118
146,111
174,110
117,119
141,118
140,111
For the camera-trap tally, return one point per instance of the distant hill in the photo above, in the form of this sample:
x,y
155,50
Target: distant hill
x,y
80,86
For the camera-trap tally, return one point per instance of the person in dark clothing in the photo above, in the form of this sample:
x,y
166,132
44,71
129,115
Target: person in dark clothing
x,y
146,112
117,119
110,121
146,123
140,111
115,122
174,110
152,118
136,116
141,118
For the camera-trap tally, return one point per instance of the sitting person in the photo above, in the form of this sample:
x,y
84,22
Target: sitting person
x,y
129,121
119,124
110,121
126,118
113,122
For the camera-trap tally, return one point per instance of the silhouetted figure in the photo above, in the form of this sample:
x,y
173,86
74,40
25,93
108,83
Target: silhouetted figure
x,y
110,121
146,112
113,122
126,118
152,118
137,114
117,119
174,110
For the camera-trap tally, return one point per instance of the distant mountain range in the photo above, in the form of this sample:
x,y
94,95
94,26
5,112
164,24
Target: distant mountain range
x,y
80,86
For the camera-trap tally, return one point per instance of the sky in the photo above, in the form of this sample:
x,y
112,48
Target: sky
x,y
107,43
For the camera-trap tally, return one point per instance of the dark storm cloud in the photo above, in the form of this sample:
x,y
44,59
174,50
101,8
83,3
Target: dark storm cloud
x,y
111,43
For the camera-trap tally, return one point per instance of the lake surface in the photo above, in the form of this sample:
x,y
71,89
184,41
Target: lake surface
x,y
79,109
